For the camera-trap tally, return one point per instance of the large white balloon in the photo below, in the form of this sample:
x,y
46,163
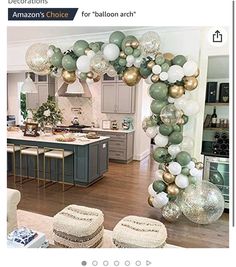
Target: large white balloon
x,y
151,191
195,172
181,102
130,59
111,52
191,165
156,69
163,76
190,68
161,140
83,63
159,175
151,132
138,61
174,168
191,107
160,200
173,150
175,73
181,181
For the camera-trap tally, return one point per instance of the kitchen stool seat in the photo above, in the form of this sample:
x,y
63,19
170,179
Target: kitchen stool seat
x,y
57,154
12,149
32,151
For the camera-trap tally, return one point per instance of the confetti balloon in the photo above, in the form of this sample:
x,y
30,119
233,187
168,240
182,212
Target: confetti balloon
x,y
99,64
170,114
150,43
171,212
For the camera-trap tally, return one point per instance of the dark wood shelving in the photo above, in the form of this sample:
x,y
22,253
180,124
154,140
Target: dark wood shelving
x,y
217,104
216,129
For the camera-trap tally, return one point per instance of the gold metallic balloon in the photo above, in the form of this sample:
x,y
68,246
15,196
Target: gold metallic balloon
x,y
90,75
87,50
196,74
150,201
131,76
68,76
190,83
199,165
97,78
135,44
176,91
128,44
168,177
122,54
151,64
180,121
172,189
155,78
168,56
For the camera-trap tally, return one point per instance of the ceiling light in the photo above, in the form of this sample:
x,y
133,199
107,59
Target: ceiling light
x,y
29,86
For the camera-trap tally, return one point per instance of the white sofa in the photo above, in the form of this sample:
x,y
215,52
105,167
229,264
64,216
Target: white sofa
x,y
13,198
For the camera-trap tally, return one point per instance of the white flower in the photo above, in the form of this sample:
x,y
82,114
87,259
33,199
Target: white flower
x,y
47,113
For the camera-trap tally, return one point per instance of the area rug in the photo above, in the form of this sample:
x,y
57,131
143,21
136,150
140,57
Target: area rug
x,y
44,223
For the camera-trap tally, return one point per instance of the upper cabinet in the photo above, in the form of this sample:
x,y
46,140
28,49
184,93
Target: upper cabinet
x,y
117,97
45,86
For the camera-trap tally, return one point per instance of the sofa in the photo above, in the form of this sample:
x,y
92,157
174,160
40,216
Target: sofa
x,y
13,198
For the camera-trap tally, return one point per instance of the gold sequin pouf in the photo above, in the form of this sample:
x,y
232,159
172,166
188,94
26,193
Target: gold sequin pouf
x,y
78,227
139,232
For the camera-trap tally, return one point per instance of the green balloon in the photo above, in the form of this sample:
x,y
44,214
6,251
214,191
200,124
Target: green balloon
x,y
185,171
185,119
161,166
95,47
168,62
215,177
129,50
165,67
159,60
145,72
100,44
157,106
56,59
128,38
68,63
83,76
159,186
179,60
57,50
165,129
79,47
152,121
192,179
183,158
158,91
116,38
52,47
122,62
176,128
169,158
160,154
176,138
137,52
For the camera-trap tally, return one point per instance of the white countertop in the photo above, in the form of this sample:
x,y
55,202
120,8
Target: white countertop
x,y
112,131
81,140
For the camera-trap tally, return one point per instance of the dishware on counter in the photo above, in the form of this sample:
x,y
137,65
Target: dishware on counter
x,y
92,135
127,123
75,121
68,137
114,125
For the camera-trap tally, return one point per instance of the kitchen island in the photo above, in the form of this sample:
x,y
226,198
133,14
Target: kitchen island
x,y
85,166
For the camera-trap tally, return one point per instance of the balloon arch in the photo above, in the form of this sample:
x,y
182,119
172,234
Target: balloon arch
x,y
171,80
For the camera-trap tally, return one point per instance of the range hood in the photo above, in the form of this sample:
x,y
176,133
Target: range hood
x,y
78,88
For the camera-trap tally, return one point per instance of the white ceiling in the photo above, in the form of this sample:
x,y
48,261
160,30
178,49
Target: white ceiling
x,y
20,34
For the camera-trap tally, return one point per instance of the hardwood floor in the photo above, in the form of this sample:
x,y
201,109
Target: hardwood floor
x,y
122,192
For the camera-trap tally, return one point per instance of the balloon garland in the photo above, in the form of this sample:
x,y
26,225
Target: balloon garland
x,y
171,78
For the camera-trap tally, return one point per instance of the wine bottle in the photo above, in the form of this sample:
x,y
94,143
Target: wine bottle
x,y
220,141
214,118
217,135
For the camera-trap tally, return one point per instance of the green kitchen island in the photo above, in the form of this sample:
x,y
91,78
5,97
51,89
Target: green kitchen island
x,y
85,166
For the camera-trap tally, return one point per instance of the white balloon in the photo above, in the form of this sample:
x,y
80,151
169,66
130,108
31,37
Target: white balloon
x,y
129,64
83,63
190,68
138,62
160,200
187,143
174,168
173,150
159,175
163,76
195,172
111,52
148,80
156,69
77,72
151,132
180,102
130,59
191,165
181,181
175,73
191,107
50,52
103,46
171,100
161,140
151,191
90,54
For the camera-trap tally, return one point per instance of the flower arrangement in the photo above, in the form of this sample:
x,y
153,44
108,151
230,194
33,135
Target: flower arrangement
x,y
48,113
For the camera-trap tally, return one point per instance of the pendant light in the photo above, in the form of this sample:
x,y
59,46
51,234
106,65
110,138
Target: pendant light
x,y
29,86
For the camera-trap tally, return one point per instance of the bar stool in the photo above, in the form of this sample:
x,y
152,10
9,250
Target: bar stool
x,y
55,153
34,151
12,149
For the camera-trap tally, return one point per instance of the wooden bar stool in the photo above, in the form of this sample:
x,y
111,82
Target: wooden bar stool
x,y
34,151
12,149
55,153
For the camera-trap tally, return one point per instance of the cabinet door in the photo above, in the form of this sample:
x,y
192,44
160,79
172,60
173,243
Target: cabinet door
x,y
42,93
32,101
125,98
109,98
